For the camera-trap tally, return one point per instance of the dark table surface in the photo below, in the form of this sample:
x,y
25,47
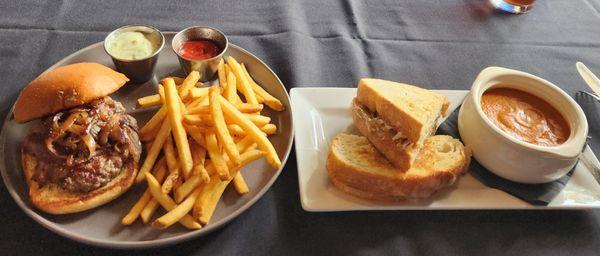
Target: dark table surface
x,y
432,43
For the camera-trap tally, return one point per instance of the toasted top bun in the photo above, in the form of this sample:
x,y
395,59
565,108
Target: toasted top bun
x,y
66,87
52,198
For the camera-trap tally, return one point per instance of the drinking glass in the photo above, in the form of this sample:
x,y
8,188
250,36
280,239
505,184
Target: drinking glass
x,y
513,6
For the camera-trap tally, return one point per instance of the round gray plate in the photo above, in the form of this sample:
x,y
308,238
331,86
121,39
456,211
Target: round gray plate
x,y
101,226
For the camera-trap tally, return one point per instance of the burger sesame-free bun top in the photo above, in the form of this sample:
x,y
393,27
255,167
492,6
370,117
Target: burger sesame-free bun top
x,y
66,87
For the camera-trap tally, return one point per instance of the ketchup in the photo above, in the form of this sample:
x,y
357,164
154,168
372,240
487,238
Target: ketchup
x,y
198,49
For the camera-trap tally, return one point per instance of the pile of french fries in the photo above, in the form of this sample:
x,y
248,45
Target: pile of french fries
x,y
206,135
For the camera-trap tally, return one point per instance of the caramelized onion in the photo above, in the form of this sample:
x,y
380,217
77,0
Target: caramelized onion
x,y
90,143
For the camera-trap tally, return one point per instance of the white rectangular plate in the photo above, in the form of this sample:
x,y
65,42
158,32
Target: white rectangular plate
x,y
321,113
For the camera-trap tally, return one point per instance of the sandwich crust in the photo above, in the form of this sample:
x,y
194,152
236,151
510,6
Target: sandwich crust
x,y
357,168
51,198
411,110
66,87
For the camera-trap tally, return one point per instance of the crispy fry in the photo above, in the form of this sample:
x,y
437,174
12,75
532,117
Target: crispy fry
x,y
199,157
169,151
220,126
152,205
198,119
221,74
187,187
174,114
149,135
236,130
169,182
197,134
178,80
244,86
269,129
244,144
168,203
253,131
137,208
231,90
198,93
258,120
155,121
269,100
178,212
154,150
216,157
209,197
148,101
187,84
240,184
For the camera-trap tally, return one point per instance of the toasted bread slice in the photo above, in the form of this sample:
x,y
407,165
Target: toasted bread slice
x,y
412,111
400,151
357,168
52,198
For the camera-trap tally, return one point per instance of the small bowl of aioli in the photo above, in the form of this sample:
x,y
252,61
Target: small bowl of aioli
x,y
200,49
134,50
521,127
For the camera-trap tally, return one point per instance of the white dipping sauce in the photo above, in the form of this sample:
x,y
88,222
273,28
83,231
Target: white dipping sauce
x,y
131,45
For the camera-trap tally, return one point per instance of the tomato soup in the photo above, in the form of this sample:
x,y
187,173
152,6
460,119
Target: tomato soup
x,y
525,116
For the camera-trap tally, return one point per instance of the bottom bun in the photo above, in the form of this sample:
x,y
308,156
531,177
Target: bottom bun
x,y
52,198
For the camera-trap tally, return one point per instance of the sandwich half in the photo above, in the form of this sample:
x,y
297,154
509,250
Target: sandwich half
x,y
397,118
356,167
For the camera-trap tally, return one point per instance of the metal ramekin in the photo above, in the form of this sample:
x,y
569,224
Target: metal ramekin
x,y
208,67
138,71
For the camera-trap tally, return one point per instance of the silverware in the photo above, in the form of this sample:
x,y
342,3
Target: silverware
x,y
142,70
207,67
589,103
589,77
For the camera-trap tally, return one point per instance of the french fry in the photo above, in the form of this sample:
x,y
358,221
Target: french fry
x,y
178,212
240,184
187,187
175,116
169,151
188,83
204,198
178,80
253,131
148,101
236,130
197,134
209,197
231,90
198,119
220,126
155,121
244,144
221,74
152,154
258,120
269,129
169,182
199,157
198,93
216,157
167,203
245,88
137,208
149,135
152,205
248,108
269,100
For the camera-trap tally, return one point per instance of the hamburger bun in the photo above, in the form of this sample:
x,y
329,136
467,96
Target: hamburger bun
x,y
51,198
66,87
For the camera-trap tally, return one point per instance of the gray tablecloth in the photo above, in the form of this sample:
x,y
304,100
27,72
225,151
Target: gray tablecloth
x,y
433,43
